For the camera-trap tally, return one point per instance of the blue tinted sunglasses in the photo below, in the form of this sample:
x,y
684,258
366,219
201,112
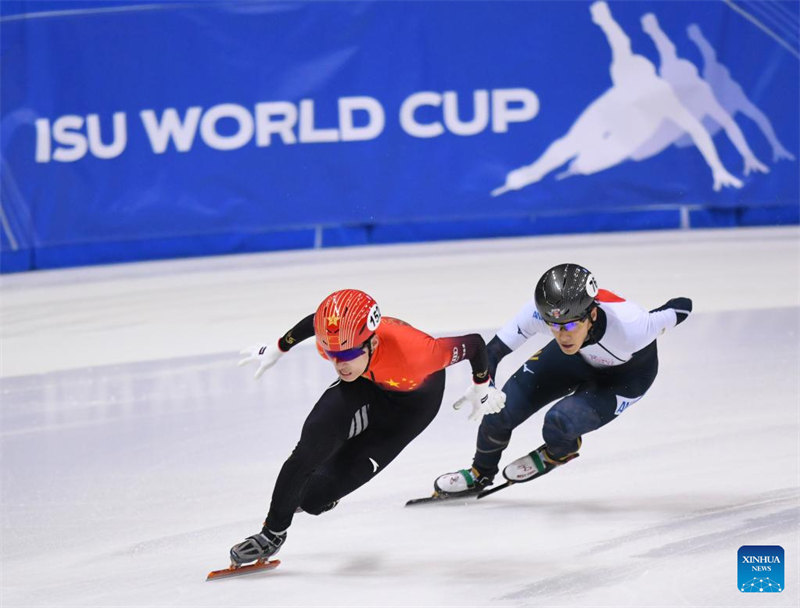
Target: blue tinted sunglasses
x,y
569,325
345,355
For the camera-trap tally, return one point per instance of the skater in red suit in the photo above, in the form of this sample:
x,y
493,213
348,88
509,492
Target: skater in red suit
x,y
389,388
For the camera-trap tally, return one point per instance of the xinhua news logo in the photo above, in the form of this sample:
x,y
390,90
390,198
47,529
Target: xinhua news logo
x,y
761,569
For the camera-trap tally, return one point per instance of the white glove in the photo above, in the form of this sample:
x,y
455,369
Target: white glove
x,y
265,356
484,399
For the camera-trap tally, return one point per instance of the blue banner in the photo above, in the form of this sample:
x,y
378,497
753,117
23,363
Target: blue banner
x,y
132,131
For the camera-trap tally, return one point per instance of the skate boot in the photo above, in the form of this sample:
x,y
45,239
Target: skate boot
x,y
259,547
328,507
463,482
535,464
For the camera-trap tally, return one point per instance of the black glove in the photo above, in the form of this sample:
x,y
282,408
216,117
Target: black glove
x,y
681,306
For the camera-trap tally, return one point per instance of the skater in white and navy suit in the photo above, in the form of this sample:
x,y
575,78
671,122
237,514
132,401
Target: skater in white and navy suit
x,y
603,359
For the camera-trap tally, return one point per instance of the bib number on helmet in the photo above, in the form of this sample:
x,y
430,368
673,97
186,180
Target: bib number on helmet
x,y
374,318
591,286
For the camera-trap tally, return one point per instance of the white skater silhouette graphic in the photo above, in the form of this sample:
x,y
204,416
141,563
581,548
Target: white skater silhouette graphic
x,y
621,120
696,95
731,96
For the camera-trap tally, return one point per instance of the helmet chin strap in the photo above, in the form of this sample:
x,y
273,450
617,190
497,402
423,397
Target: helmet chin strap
x,y
369,352
592,323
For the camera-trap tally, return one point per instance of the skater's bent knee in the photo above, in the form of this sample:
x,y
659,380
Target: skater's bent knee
x,y
558,423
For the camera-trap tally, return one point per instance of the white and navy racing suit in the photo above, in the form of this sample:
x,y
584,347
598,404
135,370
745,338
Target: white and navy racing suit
x,y
613,369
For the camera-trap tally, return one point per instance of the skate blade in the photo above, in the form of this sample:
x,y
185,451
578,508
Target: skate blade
x,y
442,497
259,566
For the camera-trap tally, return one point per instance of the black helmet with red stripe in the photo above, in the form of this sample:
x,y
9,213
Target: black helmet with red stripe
x,y
565,293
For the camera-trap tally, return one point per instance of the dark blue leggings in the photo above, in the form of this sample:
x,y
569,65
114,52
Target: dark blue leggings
x,y
588,398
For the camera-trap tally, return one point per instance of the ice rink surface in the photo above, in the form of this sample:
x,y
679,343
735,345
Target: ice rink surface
x,y
135,452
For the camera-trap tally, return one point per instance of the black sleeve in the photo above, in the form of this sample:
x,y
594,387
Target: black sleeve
x,y
470,347
496,350
302,331
681,306
478,359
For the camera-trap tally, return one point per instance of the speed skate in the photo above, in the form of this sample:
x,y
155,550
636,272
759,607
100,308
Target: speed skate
x,y
527,468
233,570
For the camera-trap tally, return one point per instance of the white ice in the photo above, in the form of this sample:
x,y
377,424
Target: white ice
x,y
135,452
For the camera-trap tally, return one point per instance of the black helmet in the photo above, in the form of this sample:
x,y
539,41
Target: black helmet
x,y
565,293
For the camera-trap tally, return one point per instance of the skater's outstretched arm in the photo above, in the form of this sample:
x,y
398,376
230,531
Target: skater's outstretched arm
x,y
266,356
